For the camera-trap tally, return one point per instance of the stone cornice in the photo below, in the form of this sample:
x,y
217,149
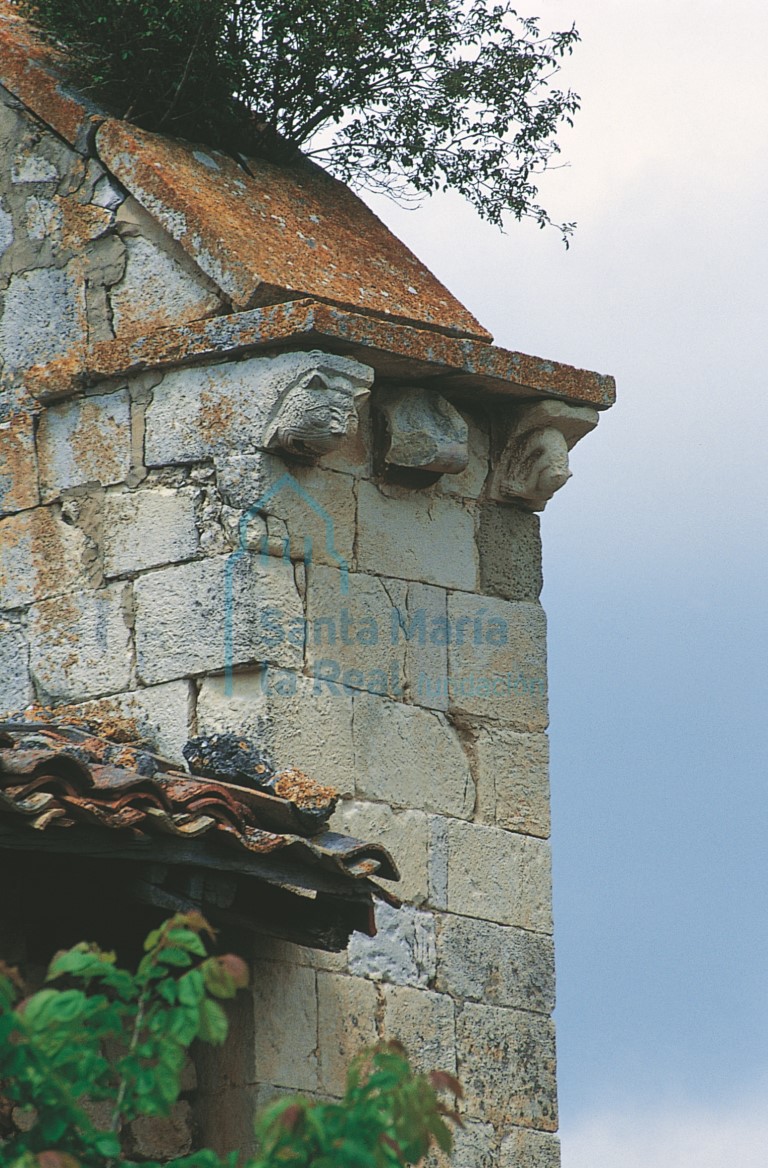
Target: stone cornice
x,y
459,368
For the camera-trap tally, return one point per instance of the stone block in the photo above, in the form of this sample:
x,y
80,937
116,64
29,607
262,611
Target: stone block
x,y
192,617
16,690
496,964
42,319
403,950
298,722
509,547
507,1066
346,1008
156,291
161,713
497,660
286,1026
410,757
523,1148
317,506
87,440
422,431
404,833
469,484
438,861
495,875
6,230
423,1021
215,409
80,644
350,642
412,535
511,771
164,1137
423,627
474,1146
40,556
18,465
149,527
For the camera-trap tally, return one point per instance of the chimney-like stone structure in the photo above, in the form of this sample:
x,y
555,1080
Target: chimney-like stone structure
x,y
260,472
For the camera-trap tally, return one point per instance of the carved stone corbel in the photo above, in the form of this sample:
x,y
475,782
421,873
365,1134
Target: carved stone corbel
x,y
533,463
317,409
422,432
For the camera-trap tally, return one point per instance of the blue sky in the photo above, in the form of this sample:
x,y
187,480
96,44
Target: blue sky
x,y
655,569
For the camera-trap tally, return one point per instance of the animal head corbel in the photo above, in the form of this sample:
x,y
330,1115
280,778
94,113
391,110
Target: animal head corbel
x,y
533,463
317,410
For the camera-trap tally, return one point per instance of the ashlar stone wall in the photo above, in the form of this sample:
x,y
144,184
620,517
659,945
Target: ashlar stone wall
x,y
185,547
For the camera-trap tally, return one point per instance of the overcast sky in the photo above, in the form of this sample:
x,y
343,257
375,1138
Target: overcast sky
x,y
655,567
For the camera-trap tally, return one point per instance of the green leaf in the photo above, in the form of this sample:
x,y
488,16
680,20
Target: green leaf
x,y
213,1024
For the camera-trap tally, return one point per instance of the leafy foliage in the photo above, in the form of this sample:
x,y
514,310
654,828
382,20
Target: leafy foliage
x,y
106,1035
388,1116
408,96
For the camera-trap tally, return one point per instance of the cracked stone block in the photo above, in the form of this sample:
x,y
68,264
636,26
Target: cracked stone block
x,y
145,528
16,690
410,757
509,546
190,618
156,291
496,875
40,556
529,1149
350,640
42,318
80,644
497,660
317,506
507,1066
404,833
496,964
423,627
18,465
512,775
87,440
286,1030
416,536
423,1021
403,950
346,1010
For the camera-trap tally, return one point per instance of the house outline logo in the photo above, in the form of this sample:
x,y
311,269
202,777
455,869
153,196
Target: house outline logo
x,y
286,480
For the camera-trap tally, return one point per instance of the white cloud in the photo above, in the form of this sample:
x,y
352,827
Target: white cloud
x,y
679,1137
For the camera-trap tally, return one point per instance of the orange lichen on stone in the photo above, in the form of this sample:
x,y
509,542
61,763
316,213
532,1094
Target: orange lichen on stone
x,y
299,789
32,70
18,464
278,232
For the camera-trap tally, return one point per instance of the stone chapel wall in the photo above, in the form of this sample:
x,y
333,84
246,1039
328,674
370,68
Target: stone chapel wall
x,y
154,558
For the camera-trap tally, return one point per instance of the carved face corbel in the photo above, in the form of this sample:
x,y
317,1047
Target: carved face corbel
x,y
316,411
533,463
422,432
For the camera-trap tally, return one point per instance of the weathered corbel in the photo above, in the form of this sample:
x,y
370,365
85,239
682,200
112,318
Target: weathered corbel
x,y
422,432
317,409
533,463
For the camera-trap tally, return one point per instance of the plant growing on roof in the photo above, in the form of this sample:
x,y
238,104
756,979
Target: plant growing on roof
x,y
53,1062
404,96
